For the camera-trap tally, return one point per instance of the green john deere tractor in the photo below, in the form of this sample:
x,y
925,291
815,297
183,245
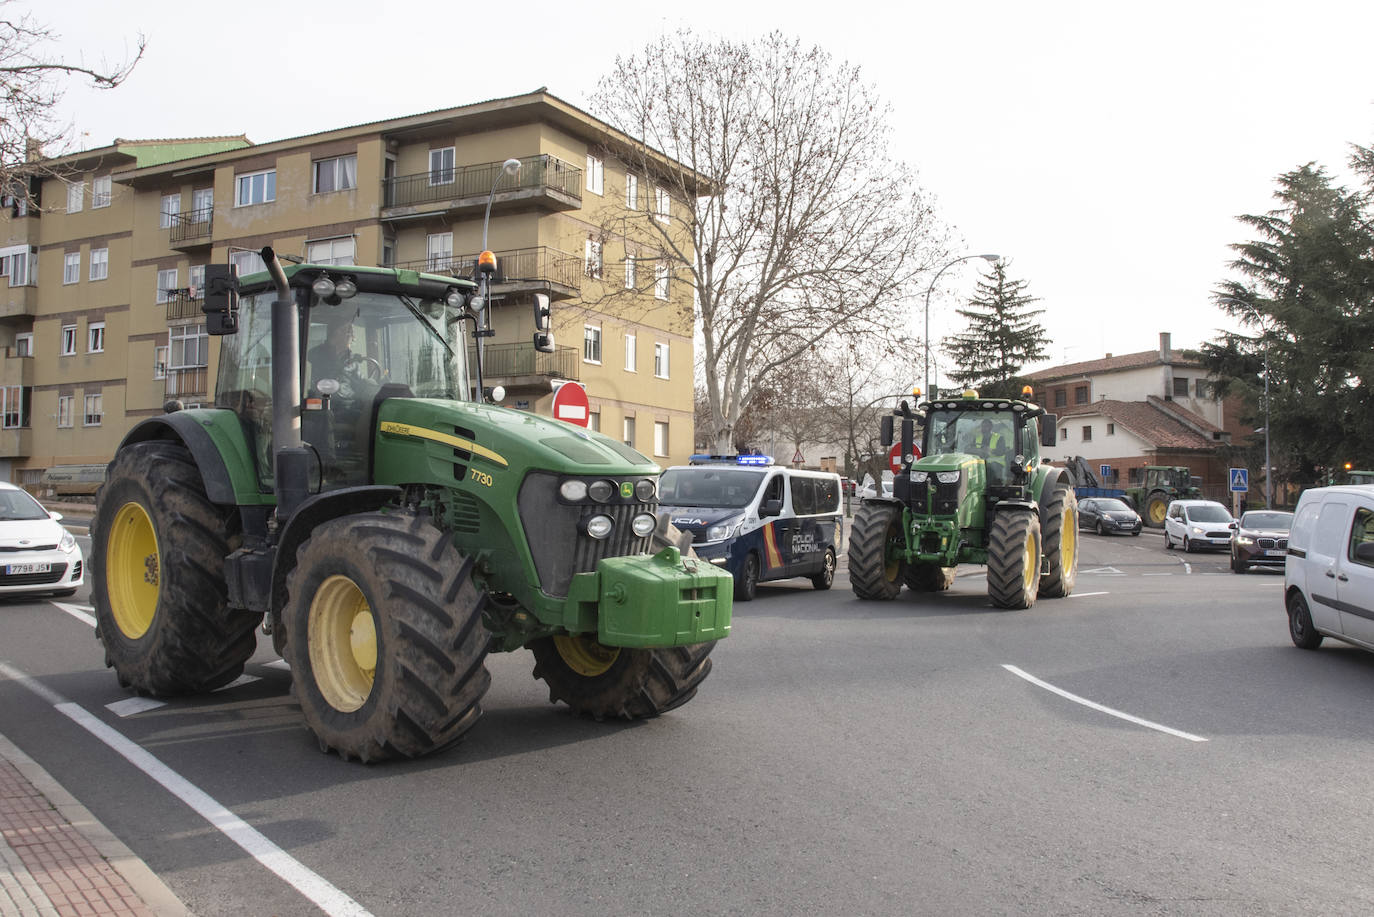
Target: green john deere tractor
x,y
1159,486
349,493
977,493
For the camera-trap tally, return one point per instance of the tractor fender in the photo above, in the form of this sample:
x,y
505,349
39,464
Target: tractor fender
x,y
184,427
316,511
1056,477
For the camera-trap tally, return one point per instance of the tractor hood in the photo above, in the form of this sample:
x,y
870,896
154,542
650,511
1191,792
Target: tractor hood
x,y
949,461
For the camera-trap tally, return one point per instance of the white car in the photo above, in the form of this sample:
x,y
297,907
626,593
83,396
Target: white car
x,y
37,554
1328,577
1197,524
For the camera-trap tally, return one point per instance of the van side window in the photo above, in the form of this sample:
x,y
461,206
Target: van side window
x,y
1331,529
1361,533
774,490
803,496
827,496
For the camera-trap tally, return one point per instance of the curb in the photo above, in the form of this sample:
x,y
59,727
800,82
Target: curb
x,y
145,883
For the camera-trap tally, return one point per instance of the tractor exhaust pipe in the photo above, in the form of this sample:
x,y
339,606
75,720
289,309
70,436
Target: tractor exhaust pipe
x,y
291,461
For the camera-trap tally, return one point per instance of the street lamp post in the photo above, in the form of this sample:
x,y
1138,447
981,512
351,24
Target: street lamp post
x,y
925,379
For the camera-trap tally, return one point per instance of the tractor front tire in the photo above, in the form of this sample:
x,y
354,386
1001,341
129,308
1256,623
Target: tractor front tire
x,y
1014,559
157,575
928,577
601,682
875,572
1059,528
385,637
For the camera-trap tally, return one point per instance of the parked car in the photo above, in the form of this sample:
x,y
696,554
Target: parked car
x,y
1105,515
1328,580
1197,524
1260,538
36,553
869,488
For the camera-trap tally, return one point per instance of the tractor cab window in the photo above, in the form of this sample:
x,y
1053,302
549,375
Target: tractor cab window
x,y
245,380
987,434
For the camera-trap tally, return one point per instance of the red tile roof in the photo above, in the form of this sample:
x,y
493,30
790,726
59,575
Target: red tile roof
x,y
1111,364
1162,423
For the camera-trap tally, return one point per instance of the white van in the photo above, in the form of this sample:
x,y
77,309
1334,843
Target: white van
x,y
757,520
1328,576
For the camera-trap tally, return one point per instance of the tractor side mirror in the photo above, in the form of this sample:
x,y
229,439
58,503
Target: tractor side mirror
x,y
543,314
221,303
885,431
543,341
1049,429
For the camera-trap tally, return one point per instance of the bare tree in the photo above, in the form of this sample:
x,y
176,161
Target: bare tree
x,y
32,83
803,228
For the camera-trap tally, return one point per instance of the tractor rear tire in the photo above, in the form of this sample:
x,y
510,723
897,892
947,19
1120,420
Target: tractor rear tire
x,y
928,577
1014,559
385,637
1156,508
601,682
1059,528
157,575
872,573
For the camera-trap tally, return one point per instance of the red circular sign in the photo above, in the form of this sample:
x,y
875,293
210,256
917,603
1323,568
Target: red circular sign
x,y
570,404
894,457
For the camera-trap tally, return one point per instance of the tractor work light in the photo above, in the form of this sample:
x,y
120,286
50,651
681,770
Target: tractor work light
x,y
947,477
920,477
643,525
646,491
573,491
598,527
345,288
486,262
601,491
323,287
453,298
1027,392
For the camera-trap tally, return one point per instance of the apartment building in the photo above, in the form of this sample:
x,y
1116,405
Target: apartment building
x,y
100,314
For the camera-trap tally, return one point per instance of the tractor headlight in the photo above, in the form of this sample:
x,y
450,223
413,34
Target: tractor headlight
x,y
643,524
601,491
598,526
646,491
573,491
919,477
67,543
947,477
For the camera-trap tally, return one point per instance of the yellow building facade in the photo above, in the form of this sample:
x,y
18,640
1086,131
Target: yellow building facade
x,y
100,303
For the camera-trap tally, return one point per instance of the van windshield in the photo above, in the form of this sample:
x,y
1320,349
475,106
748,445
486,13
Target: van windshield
x,y
1213,512
711,487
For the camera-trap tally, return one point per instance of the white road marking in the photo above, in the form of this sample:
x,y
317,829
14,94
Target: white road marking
x,y
1156,574
1079,595
1103,571
76,611
1099,707
305,880
131,705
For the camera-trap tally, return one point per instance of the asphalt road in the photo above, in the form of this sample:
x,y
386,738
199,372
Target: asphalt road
x,y
843,757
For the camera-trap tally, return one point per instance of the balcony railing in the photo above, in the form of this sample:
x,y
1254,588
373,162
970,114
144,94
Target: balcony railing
x,y
183,305
187,382
472,184
192,228
526,268
508,361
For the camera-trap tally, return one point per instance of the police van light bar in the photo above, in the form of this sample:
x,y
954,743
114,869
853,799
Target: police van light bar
x,y
705,459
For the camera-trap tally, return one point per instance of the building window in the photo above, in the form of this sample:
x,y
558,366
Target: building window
x,y
167,282
592,258
591,344
1202,388
1180,387
65,403
629,429
195,281
68,340
661,206
100,263
244,263
171,209
23,344
160,356
630,353
1080,394
632,191
439,251
1133,476
71,267
594,421
331,251
661,360
1064,433
23,264
1111,429
629,272
661,280
76,193
660,438
255,188
100,191
202,204
190,347
441,164
596,174
1087,434
95,337
338,174
94,411
15,406
1061,398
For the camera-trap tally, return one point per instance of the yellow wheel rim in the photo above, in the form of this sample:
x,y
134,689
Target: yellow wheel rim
x,y
1068,541
585,656
342,637
1029,562
1157,510
133,570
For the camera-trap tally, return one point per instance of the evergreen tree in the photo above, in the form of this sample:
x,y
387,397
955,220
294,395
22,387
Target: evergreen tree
x,y
1002,336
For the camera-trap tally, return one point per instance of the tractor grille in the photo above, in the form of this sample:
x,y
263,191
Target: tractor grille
x,y
946,498
553,529
35,579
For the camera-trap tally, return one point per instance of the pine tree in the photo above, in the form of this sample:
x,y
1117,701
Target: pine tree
x,y
1002,336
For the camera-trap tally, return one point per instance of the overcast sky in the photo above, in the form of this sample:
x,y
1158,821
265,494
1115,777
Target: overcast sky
x,y
1105,148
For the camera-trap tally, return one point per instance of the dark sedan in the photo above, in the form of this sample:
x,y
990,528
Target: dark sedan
x,y
1105,515
1260,539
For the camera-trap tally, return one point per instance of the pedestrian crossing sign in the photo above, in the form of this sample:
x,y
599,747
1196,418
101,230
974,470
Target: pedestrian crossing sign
x,y
1240,480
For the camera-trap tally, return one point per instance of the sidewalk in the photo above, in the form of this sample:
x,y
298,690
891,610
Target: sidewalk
x,y
56,859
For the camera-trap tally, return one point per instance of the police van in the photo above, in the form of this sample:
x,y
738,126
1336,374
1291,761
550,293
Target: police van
x,y
755,519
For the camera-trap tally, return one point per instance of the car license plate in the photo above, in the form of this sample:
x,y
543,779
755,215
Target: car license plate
x,y
1275,552
16,569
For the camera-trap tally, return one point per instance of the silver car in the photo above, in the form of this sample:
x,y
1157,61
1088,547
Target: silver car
x,y
37,554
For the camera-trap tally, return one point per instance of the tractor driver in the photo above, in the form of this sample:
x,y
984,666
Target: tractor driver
x,y
332,357
994,446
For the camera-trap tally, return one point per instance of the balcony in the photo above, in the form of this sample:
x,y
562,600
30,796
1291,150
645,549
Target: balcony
x,y
181,305
16,369
542,181
187,383
16,442
522,270
520,366
191,230
19,301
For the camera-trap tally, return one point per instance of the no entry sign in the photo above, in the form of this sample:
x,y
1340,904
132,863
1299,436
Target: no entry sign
x,y
570,404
